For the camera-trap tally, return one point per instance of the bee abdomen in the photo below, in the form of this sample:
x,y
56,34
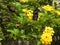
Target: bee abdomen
x,y
35,14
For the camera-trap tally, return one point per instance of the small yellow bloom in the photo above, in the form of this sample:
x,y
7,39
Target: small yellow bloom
x,y
57,12
49,30
29,14
23,1
30,18
48,8
31,11
25,10
46,37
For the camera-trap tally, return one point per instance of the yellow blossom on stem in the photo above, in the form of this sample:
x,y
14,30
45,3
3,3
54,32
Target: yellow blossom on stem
x,y
49,30
57,12
48,8
25,10
23,1
29,13
46,37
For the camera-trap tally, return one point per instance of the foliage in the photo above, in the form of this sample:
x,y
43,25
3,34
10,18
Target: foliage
x,y
15,19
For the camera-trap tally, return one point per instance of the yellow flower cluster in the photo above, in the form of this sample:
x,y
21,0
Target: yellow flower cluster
x,y
29,13
48,8
57,12
49,30
46,37
23,1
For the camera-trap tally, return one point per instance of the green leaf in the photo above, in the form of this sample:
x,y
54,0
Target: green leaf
x,y
39,43
1,39
34,35
14,37
22,31
23,36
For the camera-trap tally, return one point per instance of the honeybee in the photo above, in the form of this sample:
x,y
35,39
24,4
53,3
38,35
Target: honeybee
x,y
35,14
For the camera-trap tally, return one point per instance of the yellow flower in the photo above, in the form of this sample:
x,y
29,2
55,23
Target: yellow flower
x,y
46,37
29,14
49,30
30,17
25,10
31,11
23,1
48,8
57,12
